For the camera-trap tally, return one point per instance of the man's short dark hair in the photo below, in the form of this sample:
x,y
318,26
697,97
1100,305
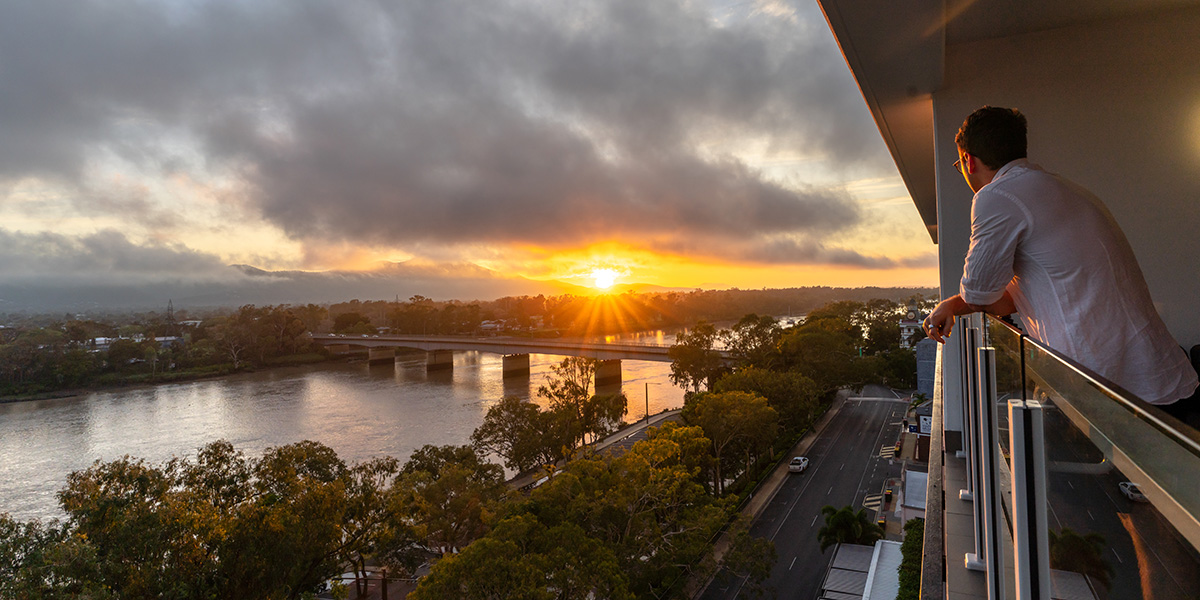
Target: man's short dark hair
x,y
994,135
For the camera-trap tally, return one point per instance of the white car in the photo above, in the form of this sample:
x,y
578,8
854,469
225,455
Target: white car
x,y
1132,491
798,464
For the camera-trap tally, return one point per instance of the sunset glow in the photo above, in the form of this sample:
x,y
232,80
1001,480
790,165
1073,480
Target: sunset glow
x,y
604,278
368,163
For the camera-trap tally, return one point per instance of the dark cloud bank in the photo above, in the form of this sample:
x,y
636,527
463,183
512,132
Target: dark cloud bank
x,y
453,122
49,273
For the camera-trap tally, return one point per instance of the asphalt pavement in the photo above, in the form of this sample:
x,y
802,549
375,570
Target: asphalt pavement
x,y
851,459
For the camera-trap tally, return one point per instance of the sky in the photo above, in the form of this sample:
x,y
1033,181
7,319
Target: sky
x,y
680,143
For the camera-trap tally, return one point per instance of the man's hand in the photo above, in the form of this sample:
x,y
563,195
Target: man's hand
x,y
939,323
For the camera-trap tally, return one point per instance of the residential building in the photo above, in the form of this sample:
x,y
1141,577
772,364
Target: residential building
x,y
1027,446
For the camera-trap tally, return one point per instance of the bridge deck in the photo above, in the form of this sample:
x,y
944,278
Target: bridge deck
x,y
507,345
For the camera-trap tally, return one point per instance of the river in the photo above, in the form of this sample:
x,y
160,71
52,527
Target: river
x,y
358,410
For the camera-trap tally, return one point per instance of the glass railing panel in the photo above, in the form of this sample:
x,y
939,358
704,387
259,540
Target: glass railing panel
x,y
1006,344
1097,440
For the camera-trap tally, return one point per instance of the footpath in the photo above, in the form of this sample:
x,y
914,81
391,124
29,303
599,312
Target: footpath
x,y
618,442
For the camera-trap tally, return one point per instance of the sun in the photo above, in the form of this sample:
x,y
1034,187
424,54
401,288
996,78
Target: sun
x,y
604,278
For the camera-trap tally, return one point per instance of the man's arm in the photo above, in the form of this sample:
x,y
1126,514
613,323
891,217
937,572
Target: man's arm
x,y
941,321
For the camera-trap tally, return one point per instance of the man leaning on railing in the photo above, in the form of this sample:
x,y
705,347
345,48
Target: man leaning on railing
x,y
1048,249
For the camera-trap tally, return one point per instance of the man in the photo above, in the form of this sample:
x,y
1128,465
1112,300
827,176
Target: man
x,y
1049,250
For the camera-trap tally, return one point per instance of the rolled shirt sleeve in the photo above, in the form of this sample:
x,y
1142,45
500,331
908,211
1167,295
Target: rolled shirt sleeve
x,y
998,224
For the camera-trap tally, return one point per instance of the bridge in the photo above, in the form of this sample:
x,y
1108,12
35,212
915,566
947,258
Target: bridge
x,y
440,351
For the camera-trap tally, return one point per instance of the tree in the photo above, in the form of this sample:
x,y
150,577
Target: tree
x,y
221,526
728,418
569,393
602,414
845,526
525,558
900,368
1084,554
694,361
235,335
645,506
122,352
312,316
513,429
910,565
448,494
823,351
748,557
348,322
752,340
793,396
880,321
28,552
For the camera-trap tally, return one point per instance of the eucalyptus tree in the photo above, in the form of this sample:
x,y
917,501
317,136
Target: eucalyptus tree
x,y
732,420
694,358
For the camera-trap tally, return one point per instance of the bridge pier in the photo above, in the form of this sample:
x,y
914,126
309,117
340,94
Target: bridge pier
x,y
381,356
608,373
516,365
439,360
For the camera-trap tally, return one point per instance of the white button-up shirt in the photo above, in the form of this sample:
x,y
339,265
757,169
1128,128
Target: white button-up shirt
x,y
1074,279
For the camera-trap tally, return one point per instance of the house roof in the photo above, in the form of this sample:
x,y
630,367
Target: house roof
x,y
883,582
915,484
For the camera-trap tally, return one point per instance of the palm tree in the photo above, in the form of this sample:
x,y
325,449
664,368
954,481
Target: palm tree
x,y
1084,554
845,526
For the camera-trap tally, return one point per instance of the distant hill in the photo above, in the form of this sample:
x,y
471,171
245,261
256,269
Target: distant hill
x,y
244,284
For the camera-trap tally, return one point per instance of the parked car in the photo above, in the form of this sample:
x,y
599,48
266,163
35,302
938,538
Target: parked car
x,y
798,464
1132,491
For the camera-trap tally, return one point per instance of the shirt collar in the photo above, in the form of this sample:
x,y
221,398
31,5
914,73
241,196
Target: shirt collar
x,y
1011,166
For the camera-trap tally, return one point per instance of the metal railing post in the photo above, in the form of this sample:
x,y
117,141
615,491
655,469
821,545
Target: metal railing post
x,y
989,497
1031,543
975,451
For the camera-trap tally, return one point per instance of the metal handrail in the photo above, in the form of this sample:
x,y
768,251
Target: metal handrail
x,y
1185,436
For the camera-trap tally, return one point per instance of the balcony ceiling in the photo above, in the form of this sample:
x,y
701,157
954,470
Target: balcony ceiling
x,y
896,51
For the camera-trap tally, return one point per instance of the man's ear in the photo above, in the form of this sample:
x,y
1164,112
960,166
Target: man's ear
x,y
968,163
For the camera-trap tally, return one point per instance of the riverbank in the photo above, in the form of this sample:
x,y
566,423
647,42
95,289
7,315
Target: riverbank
x,y
361,412
136,381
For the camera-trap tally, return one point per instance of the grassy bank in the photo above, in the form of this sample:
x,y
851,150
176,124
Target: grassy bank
x,y
108,381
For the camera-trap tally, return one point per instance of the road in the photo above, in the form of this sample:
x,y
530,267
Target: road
x,y
850,462
1148,558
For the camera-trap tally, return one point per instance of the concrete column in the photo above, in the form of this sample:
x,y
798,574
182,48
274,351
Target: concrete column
x,y
516,365
608,373
439,360
381,356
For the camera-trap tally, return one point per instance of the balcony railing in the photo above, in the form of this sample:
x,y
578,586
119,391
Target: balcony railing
x,y
1052,450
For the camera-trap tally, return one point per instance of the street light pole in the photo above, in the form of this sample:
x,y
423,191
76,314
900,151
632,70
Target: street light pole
x,y
648,384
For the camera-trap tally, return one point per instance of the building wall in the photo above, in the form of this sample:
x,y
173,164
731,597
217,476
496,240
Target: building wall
x,y
1113,106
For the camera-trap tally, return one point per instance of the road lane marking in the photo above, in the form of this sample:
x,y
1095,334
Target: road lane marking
x,y
872,501
842,467
830,490
814,521
1090,515
1114,551
793,563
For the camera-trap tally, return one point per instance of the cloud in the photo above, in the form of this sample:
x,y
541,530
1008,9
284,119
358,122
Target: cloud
x,y
47,272
786,250
418,124
105,256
